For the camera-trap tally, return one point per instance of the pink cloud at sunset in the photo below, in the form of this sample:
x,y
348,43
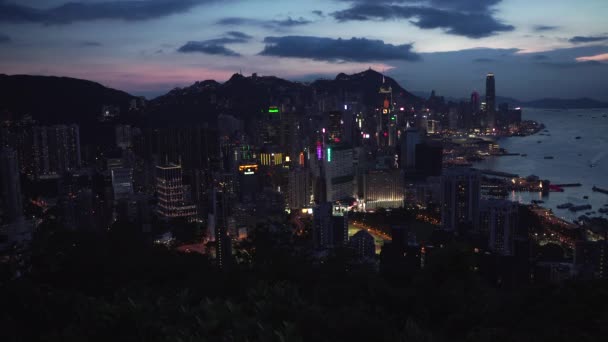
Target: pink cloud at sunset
x,y
597,58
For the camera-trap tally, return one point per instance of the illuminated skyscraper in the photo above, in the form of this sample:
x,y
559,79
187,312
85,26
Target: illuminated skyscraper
x,y
218,220
12,206
499,219
338,167
409,140
330,226
385,116
460,195
490,93
170,189
56,149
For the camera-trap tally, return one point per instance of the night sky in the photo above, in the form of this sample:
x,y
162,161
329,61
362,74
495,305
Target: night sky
x,y
541,48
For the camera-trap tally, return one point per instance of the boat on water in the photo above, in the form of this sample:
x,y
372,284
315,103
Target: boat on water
x,y
585,197
537,202
565,205
548,157
524,155
539,142
577,138
596,189
580,207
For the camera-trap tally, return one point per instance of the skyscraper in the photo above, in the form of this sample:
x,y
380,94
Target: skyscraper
x,y
330,226
219,214
170,189
12,206
363,244
409,140
339,172
56,149
499,219
460,194
490,93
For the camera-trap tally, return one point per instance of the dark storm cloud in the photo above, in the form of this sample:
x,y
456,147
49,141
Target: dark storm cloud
x,y
473,19
4,39
210,49
129,10
544,28
335,50
216,46
587,39
278,23
459,5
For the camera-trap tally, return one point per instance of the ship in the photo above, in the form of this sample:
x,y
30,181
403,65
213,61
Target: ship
x,y
577,138
580,207
565,205
549,157
596,189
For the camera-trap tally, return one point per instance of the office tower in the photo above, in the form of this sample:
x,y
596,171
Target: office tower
x,y
338,167
429,159
383,189
475,104
248,183
330,226
460,194
218,225
409,140
122,182
490,93
170,189
12,206
385,115
591,259
334,126
123,136
56,149
499,220
299,188
363,244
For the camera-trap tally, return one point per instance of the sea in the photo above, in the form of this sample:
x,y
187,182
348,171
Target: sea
x,y
572,158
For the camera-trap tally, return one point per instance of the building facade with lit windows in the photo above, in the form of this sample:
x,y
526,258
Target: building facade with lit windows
x,y
383,189
498,219
170,190
460,196
338,167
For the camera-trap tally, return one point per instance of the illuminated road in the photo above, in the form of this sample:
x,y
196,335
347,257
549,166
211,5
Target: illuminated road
x,y
379,236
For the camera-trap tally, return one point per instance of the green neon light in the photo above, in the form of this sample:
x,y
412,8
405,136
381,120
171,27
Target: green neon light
x,y
329,154
273,110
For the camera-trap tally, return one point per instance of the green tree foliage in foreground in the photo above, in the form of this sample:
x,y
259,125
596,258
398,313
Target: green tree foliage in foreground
x,y
99,288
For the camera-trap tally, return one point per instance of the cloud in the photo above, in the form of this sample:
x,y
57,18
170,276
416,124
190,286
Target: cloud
x,y
318,13
484,60
474,22
544,28
88,43
4,39
336,50
239,35
587,39
540,57
577,64
216,46
596,58
69,12
271,24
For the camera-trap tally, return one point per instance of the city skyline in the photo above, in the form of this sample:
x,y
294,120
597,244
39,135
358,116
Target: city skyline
x,y
149,47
